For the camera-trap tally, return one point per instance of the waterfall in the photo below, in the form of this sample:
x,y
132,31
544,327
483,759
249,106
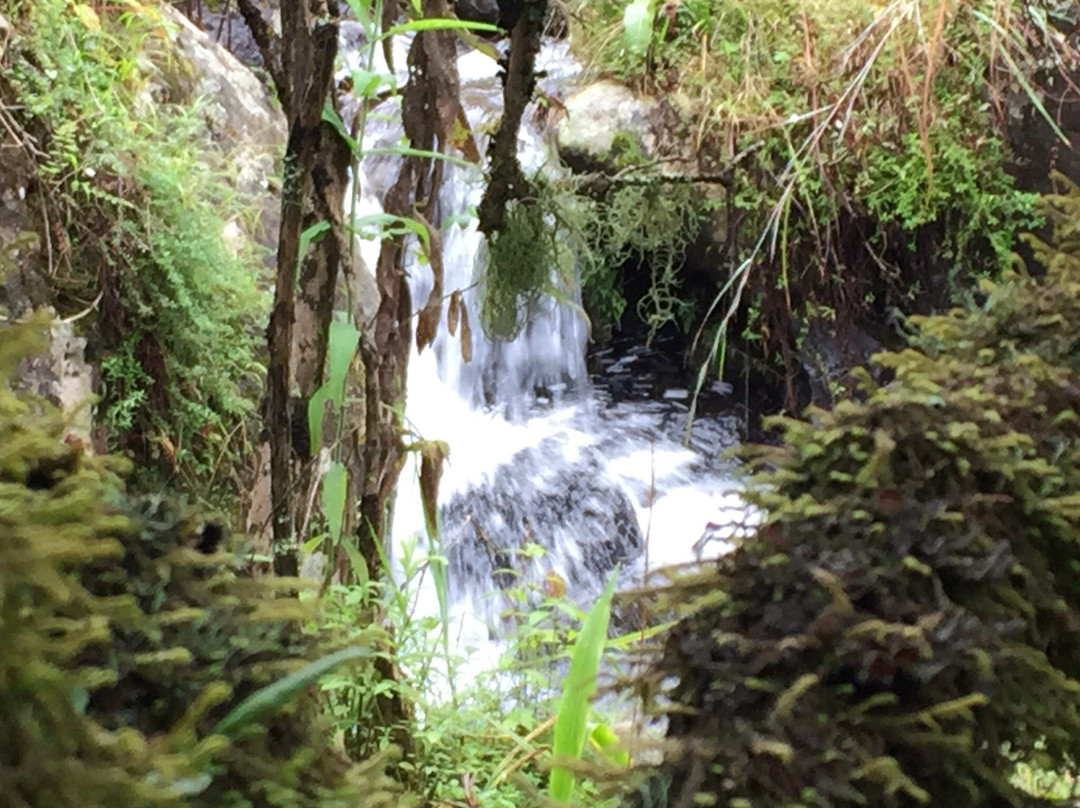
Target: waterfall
x,y
541,455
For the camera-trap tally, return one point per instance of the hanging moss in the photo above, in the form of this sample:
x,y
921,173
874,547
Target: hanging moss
x,y
129,632
905,626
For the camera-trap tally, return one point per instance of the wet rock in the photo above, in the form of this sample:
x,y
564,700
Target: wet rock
x,y
477,10
226,26
241,116
588,136
586,525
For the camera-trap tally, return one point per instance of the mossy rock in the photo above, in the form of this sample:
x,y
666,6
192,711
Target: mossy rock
x,y
905,626
129,632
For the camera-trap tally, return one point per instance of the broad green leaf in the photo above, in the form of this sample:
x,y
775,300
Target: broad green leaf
x,y
334,487
330,116
570,722
315,415
273,697
309,235
356,561
638,26
607,742
342,341
366,83
391,225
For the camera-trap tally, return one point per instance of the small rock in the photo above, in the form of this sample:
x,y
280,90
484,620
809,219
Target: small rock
x,y
595,116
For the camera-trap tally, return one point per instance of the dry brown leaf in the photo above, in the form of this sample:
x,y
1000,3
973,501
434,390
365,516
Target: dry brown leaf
x,y
427,323
453,313
466,334
432,455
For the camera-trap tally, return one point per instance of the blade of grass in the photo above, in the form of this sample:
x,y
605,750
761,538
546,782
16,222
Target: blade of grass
x,y
570,734
274,696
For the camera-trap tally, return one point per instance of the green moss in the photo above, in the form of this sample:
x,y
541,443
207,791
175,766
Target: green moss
x,y
129,632
906,625
871,145
130,189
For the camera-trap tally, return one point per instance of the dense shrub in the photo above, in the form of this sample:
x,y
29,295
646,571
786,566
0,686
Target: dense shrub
x,y
128,633
132,197
905,626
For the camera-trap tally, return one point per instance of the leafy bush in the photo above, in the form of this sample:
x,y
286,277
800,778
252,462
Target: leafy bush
x,y
128,634
906,624
135,211
871,143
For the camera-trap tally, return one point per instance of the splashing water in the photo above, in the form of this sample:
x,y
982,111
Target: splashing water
x,y
540,453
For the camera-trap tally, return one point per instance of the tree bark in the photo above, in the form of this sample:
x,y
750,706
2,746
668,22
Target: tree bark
x,y
302,65
506,179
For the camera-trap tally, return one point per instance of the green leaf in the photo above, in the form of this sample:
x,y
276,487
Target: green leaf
x,y
407,151
438,24
638,26
315,415
273,697
309,235
330,116
343,339
366,83
570,730
604,739
391,225
334,486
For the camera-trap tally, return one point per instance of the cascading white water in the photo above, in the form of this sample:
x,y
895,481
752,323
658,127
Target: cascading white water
x,y
538,453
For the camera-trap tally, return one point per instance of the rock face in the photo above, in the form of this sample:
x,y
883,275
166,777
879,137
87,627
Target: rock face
x,y
247,131
596,116
240,113
586,525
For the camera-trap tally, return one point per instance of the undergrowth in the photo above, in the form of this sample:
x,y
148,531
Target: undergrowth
x,y
485,706
141,667
871,142
902,629
136,207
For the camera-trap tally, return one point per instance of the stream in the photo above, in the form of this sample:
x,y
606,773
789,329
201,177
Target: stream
x,y
560,464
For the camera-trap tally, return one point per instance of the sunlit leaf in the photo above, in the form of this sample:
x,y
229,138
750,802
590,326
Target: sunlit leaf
x,y
273,697
87,16
334,487
608,744
570,723
638,26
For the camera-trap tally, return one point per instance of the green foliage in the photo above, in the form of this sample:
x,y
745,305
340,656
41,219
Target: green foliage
x,y
652,223
129,634
527,258
482,732
131,187
571,720
903,628
596,225
869,140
